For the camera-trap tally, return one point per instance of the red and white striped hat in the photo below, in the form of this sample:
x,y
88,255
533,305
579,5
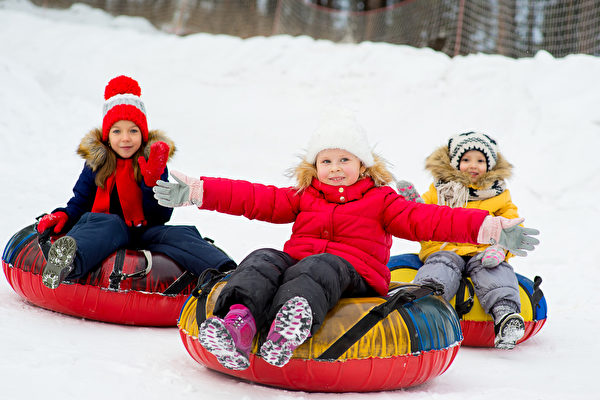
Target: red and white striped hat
x,y
122,102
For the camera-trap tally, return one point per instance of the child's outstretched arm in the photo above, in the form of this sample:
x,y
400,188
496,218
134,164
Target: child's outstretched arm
x,y
235,197
424,222
187,191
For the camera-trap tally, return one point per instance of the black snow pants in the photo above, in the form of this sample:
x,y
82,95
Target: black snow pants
x,y
267,278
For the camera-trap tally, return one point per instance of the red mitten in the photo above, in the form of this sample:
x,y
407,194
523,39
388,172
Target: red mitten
x,y
157,161
56,220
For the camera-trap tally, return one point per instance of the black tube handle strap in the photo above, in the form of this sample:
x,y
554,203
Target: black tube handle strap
x,y
399,298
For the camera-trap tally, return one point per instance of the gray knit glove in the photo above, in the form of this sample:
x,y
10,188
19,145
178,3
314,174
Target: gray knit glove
x,y
508,234
408,191
186,192
517,239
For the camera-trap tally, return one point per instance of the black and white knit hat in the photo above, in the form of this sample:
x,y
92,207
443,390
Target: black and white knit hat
x,y
459,144
340,130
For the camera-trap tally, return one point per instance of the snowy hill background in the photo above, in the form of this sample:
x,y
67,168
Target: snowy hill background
x,y
244,109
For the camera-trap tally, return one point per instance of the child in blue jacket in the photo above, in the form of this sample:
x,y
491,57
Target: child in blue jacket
x,y
113,204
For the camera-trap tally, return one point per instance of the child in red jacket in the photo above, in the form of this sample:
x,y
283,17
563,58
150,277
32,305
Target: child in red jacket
x,y
344,217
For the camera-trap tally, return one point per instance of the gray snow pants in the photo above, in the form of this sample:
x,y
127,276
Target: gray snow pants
x,y
491,284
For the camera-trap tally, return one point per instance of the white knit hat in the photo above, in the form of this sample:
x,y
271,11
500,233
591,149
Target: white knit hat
x,y
340,130
459,144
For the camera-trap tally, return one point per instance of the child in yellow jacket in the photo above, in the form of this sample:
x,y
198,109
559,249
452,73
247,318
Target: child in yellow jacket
x,y
470,172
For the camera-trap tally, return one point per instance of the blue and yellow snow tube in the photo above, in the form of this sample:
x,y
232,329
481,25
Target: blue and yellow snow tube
x,y
476,324
365,344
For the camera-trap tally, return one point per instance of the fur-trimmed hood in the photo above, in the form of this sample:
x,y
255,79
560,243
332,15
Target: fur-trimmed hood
x,y
94,151
438,164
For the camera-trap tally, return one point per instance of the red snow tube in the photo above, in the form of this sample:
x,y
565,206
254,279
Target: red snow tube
x,y
365,344
130,287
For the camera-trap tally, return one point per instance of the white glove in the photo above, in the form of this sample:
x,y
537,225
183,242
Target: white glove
x,y
186,192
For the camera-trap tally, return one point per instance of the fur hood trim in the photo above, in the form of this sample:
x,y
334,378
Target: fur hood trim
x,y
438,164
94,151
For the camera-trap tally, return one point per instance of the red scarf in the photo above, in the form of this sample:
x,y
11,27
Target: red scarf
x,y
130,194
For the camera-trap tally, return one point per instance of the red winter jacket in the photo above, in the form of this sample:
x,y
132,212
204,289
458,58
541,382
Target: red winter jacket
x,y
354,222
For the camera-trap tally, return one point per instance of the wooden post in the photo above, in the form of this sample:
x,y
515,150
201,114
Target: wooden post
x,y
461,11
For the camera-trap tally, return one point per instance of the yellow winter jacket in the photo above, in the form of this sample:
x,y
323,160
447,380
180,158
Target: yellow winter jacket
x,y
438,163
500,205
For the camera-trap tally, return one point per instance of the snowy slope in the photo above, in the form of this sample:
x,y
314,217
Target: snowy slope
x,y
243,109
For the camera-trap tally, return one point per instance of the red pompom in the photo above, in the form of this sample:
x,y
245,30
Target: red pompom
x,y
121,85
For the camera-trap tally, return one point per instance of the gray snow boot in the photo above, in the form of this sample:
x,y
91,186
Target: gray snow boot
x,y
509,330
60,262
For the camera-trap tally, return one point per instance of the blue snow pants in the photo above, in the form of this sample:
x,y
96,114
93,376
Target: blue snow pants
x,y
99,235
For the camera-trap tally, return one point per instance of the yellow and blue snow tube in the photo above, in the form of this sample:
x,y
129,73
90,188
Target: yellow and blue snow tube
x,y
365,344
476,324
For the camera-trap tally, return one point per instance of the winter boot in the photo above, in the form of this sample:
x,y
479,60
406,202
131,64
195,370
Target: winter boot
x,y
509,330
290,328
60,262
230,339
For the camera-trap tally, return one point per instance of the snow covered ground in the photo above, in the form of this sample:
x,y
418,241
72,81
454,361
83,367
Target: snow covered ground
x,y
244,109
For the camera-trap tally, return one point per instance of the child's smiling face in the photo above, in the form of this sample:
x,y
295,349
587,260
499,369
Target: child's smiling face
x,y
125,138
474,163
338,167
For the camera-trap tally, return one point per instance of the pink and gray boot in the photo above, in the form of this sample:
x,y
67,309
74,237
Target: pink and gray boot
x,y
290,328
230,338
